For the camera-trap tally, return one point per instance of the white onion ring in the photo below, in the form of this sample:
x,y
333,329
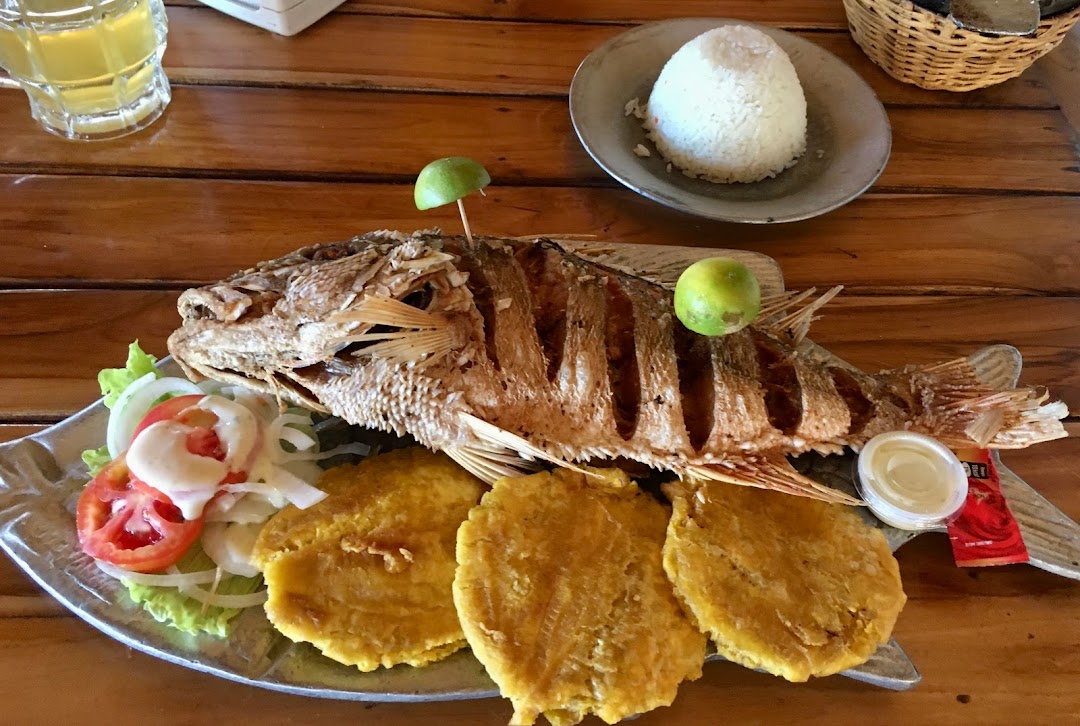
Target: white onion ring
x,y
185,579
296,437
230,546
356,448
135,402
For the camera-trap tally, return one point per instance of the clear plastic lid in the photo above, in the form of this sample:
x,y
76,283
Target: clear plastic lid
x,y
911,481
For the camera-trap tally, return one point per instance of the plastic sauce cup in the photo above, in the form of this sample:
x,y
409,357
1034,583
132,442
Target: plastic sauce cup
x,y
911,481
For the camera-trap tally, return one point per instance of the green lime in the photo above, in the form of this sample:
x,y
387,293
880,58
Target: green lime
x,y
717,296
445,181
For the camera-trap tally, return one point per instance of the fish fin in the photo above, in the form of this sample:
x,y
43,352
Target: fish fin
x,y
427,336
489,464
793,326
960,409
385,310
493,435
768,473
407,346
663,264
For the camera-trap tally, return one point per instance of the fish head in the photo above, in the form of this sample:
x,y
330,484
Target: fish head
x,y
330,325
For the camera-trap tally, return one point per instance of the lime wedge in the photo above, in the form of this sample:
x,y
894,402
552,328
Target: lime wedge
x,y
445,181
717,296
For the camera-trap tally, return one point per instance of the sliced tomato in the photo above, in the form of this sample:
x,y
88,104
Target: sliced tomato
x,y
131,526
202,440
167,410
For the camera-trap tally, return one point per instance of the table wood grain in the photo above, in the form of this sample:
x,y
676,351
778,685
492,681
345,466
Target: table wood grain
x,y
970,237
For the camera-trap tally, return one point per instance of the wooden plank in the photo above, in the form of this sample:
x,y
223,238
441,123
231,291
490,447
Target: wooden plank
x,y
961,646
790,13
244,132
10,432
42,379
123,230
1061,74
206,46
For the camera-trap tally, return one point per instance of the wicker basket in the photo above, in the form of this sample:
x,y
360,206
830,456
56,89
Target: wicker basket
x,y
917,46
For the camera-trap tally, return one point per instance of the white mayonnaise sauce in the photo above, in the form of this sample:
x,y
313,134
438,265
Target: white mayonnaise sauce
x,y
911,481
237,428
159,455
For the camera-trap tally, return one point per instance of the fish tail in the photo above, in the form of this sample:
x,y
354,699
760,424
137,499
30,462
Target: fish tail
x,y
962,409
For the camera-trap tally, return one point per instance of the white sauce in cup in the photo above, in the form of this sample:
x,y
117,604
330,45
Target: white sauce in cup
x,y
911,481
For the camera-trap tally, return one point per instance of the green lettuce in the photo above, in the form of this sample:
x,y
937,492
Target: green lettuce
x,y
96,459
169,606
113,381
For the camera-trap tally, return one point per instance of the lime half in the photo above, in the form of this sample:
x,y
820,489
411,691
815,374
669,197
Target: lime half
x,y
445,181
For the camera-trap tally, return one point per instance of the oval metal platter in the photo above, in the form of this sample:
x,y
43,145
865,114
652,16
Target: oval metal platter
x,y
42,475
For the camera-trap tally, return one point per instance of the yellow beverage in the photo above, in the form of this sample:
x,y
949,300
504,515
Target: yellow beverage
x,y
91,70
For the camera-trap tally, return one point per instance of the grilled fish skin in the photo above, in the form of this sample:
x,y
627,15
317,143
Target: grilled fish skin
x,y
511,348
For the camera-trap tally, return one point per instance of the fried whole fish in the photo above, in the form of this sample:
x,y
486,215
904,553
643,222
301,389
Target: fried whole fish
x,y
503,349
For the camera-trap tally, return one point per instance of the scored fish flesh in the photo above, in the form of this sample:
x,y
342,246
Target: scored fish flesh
x,y
509,350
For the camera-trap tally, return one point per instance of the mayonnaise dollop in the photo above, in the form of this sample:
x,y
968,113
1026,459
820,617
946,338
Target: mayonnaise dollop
x,y
237,428
159,457
911,481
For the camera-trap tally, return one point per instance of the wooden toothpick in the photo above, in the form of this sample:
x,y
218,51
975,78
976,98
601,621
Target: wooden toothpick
x,y
465,221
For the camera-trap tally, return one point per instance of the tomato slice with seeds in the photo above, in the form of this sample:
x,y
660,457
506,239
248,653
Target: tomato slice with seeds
x,y
175,408
130,524
202,440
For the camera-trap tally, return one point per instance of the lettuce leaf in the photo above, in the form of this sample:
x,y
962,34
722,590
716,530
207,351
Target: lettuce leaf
x,y
96,459
113,381
167,605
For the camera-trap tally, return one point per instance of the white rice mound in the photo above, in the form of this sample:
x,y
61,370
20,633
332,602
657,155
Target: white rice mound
x,y
728,107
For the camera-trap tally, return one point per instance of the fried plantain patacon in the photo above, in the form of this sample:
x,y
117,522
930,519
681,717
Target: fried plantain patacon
x,y
786,584
562,595
365,575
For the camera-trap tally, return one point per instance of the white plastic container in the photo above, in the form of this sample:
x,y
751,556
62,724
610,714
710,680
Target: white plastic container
x,y
911,481
284,17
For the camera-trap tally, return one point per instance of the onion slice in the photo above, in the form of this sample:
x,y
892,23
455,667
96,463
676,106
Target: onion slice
x,y
225,601
135,402
356,448
230,546
296,490
183,579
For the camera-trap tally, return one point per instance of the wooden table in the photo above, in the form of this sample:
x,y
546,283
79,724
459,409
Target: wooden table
x,y
970,237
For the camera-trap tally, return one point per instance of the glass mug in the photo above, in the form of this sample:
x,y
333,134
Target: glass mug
x,y
91,68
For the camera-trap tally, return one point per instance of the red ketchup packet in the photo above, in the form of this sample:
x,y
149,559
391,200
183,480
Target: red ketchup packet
x,y
984,531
